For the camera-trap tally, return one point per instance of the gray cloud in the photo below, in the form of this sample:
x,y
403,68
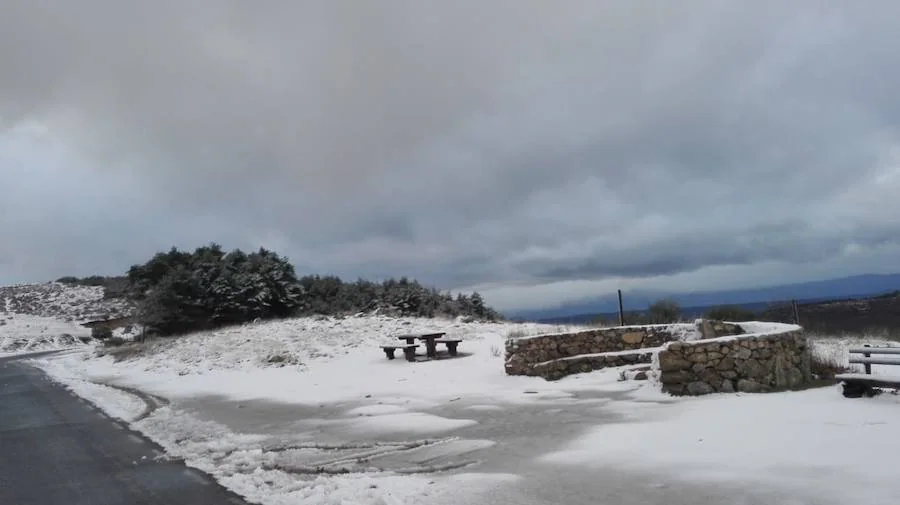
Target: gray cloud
x,y
498,144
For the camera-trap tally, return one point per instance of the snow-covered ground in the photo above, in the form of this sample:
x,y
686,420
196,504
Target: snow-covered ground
x,y
309,411
21,334
47,317
62,301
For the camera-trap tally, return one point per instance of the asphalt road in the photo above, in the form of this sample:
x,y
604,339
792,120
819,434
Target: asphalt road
x,y
58,449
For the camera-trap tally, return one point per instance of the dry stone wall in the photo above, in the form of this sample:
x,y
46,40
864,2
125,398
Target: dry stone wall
x,y
559,368
557,355
752,363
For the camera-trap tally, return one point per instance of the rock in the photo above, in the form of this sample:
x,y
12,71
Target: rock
x,y
633,338
751,368
675,377
698,367
749,386
640,376
727,386
699,388
725,364
710,376
743,353
699,357
795,378
671,362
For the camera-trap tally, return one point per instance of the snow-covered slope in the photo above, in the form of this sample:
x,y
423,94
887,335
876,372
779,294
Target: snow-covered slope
x,y
302,341
45,317
61,301
21,333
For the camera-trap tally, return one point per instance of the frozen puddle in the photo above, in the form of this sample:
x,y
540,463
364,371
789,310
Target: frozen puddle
x,y
467,438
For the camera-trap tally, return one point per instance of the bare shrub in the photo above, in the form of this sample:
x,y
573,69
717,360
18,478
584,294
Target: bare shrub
x,y
825,367
515,334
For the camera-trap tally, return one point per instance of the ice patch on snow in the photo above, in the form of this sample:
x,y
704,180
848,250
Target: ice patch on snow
x,y
419,423
376,410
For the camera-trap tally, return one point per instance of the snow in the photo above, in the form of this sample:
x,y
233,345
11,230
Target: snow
x,y
23,334
63,301
762,327
835,351
360,429
683,330
410,422
278,477
48,317
800,440
118,404
643,350
880,377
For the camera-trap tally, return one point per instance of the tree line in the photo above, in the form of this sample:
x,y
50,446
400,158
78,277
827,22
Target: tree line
x,y
180,291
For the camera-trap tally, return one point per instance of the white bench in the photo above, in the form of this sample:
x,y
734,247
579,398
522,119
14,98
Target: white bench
x,y
857,385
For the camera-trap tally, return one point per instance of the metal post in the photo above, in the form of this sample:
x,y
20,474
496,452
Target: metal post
x,y
868,366
796,311
621,312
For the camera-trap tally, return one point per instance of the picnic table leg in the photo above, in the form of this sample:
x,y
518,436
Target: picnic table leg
x,y
451,348
410,353
389,353
867,366
430,348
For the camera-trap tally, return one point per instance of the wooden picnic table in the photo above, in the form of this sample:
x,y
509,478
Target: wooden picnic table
x,y
428,338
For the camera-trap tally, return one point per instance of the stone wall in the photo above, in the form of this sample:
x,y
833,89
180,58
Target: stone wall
x,y
555,356
559,368
751,363
707,328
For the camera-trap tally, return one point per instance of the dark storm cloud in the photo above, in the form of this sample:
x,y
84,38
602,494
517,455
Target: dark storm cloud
x,y
463,143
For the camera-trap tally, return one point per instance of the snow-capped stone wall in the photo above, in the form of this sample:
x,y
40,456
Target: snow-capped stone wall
x,y
775,360
557,355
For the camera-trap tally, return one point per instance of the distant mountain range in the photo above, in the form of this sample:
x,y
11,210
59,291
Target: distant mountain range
x,y
696,303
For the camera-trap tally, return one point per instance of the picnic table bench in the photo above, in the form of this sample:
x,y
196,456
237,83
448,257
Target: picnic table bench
x,y
857,385
409,351
431,341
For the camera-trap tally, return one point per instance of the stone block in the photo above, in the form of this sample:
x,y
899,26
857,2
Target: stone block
x,y
670,362
749,386
698,388
633,338
727,386
675,377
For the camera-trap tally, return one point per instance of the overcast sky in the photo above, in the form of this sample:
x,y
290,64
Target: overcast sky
x,y
535,150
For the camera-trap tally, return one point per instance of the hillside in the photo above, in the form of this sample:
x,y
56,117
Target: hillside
x,y
858,286
44,317
63,301
873,314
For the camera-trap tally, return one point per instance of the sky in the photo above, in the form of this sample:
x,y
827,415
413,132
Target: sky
x,y
536,151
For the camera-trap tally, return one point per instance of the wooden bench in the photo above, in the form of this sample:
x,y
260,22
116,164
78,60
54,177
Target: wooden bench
x,y
409,351
858,385
451,344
